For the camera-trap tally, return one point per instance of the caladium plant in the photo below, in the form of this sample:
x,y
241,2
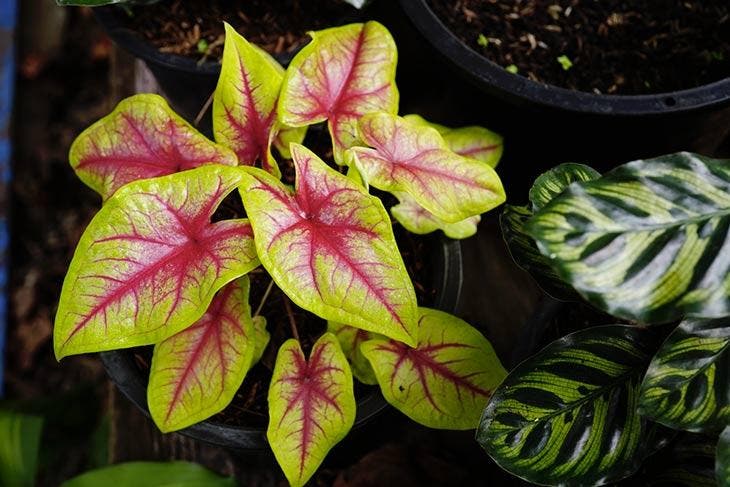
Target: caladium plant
x,y
163,264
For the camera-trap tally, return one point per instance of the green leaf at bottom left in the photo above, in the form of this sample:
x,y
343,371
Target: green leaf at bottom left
x,y
151,474
20,436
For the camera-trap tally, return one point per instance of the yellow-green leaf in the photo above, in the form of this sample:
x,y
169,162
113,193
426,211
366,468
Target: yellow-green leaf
x,y
446,380
142,138
311,406
342,74
150,261
196,372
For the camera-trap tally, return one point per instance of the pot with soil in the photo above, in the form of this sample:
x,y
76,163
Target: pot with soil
x,y
265,267
181,42
635,79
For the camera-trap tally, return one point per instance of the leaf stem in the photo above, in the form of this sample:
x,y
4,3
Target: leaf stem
x,y
202,111
264,298
292,322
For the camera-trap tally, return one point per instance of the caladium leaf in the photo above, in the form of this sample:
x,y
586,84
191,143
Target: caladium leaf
x,y
419,220
150,262
446,380
330,247
522,247
311,406
414,159
350,339
196,372
244,103
646,241
342,74
287,135
261,338
567,415
687,385
722,462
473,142
142,138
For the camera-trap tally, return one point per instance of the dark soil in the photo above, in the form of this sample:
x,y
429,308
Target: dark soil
x,y
194,28
609,46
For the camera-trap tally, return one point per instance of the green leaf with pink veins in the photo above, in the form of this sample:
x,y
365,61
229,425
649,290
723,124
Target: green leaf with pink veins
x,y
418,220
446,380
329,246
410,158
311,406
196,372
150,262
473,142
342,74
350,339
244,103
142,138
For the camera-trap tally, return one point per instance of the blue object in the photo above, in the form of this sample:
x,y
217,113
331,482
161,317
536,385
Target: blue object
x,y
8,14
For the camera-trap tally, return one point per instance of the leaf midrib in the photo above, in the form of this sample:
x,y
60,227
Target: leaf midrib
x,y
577,404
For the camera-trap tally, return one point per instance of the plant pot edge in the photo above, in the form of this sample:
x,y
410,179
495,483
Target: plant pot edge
x,y
492,78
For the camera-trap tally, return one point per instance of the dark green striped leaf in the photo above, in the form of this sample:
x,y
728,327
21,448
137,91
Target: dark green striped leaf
x,y
522,247
567,416
553,182
722,460
647,241
687,385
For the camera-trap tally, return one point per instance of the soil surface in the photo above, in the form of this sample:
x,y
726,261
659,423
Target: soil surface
x,y
194,28
601,46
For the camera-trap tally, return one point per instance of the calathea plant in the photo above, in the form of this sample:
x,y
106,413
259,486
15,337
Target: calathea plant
x,y
647,243
156,267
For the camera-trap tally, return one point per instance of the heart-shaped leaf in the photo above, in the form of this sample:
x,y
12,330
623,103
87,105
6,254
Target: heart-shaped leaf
x,y
687,385
244,104
311,406
522,247
142,138
418,220
350,339
330,247
647,241
196,372
342,74
722,462
150,262
414,159
446,380
568,415
473,142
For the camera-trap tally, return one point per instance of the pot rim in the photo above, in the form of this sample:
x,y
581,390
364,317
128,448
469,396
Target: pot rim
x,y
122,370
494,78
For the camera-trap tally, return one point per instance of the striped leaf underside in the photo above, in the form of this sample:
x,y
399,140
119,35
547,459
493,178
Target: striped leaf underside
x,y
647,241
567,415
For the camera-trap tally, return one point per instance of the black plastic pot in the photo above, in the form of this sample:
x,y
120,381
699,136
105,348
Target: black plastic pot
x,y
543,124
132,382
